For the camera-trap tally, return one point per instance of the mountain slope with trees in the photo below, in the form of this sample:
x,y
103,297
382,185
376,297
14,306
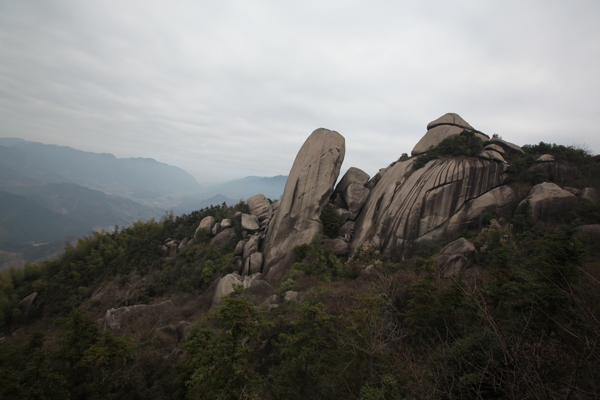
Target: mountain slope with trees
x,y
130,314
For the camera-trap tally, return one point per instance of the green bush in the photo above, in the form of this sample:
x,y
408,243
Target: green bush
x,y
464,144
331,222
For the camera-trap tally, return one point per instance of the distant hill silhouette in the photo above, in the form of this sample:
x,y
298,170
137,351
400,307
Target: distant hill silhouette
x,y
104,172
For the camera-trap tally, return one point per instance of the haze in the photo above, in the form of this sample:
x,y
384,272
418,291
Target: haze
x,y
233,88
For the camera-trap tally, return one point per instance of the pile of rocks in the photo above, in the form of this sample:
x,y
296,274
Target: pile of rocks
x,y
171,247
249,257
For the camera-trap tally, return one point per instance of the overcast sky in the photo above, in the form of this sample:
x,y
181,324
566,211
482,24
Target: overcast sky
x,y
226,89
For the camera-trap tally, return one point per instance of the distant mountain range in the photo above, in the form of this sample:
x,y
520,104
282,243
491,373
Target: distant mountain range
x,y
128,177
50,192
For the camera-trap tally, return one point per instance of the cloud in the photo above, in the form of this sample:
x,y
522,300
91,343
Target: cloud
x,y
232,88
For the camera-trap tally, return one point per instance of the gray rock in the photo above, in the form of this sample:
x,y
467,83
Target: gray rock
x,y
450,119
207,224
343,215
239,248
223,237
183,244
447,125
347,230
226,223
118,318
500,202
494,147
455,257
270,302
259,290
164,250
492,155
545,158
260,207
338,200
406,205
369,270
239,265
27,302
549,201
355,196
507,146
275,205
251,246
353,175
255,262
182,329
225,286
250,222
173,249
337,247
291,295
216,229
575,191
307,190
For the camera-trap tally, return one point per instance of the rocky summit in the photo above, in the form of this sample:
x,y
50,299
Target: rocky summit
x,y
470,269
404,209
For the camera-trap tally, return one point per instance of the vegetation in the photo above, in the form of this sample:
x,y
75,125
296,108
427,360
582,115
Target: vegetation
x,y
464,144
525,326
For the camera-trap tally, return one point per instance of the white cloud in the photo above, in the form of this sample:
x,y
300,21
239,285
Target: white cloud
x,y
233,88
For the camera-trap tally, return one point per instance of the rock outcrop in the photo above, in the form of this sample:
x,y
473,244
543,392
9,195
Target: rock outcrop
x,y
253,285
447,125
455,257
119,318
307,191
406,205
549,201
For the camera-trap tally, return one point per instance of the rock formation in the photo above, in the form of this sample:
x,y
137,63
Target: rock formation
x,y
307,191
442,128
406,204
549,201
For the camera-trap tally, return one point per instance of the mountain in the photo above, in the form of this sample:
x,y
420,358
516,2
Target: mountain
x,y
92,207
23,220
128,177
468,271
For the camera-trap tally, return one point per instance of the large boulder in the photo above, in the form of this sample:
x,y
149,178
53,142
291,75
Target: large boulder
x,y
249,222
307,191
260,207
447,125
406,205
455,257
226,284
207,224
223,237
355,196
353,175
549,202
25,305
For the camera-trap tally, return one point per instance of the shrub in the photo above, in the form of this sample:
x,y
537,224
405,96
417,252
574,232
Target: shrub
x,y
464,144
331,222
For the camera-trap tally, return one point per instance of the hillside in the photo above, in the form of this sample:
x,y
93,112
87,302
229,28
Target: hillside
x,y
128,177
467,270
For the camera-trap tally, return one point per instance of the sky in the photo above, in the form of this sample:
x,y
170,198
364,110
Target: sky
x,y
227,89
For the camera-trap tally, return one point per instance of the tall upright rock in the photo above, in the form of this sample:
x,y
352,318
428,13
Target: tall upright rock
x,y
307,191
